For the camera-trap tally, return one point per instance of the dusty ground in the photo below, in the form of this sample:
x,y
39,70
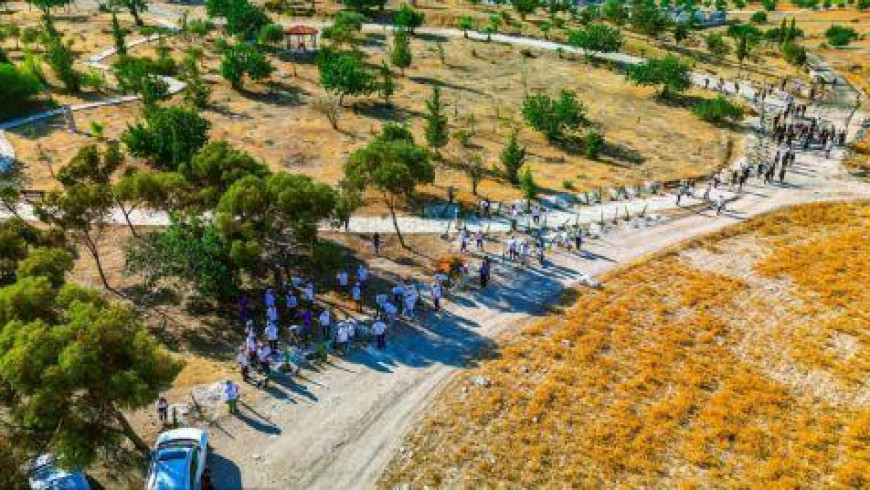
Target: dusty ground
x,y
735,360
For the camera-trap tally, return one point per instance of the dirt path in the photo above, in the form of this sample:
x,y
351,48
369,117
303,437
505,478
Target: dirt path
x,y
340,427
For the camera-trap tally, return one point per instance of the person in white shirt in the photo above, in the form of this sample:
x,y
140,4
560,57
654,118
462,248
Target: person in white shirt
x,y
291,303
231,396
308,292
251,345
410,304
272,313
342,279
381,299
244,362
379,331
362,275
398,292
270,298
272,334
324,323
391,312
341,338
356,294
436,294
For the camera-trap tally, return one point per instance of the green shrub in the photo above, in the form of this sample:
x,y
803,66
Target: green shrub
x,y
718,110
839,36
759,17
593,142
794,54
527,184
18,91
553,117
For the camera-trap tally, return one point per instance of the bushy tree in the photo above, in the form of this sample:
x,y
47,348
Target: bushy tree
x,y
241,59
271,34
387,86
596,37
93,359
716,45
408,19
593,143
512,158
759,17
718,110
242,17
839,36
60,57
554,117
196,90
138,76
669,72
345,28
82,206
400,55
215,167
152,190
526,7
615,12
169,137
746,39
527,184
466,23
392,165
344,74
190,251
436,121
681,32
645,18
794,53
18,91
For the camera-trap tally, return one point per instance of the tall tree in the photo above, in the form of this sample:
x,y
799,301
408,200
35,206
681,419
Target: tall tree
x,y
155,190
169,137
344,74
554,117
512,158
139,76
392,165
400,55
241,59
118,36
526,7
670,73
408,19
83,206
387,86
436,121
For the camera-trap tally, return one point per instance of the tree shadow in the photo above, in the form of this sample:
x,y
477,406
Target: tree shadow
x,y
224,473
279,94
441,83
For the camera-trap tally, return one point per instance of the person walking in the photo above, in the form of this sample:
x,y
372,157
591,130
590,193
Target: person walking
x,y
720,204
244,363
324,320
484,272
478,240
379,330
162,410
272,334
356,295
362,276
376,243
231,396
436,294
343,280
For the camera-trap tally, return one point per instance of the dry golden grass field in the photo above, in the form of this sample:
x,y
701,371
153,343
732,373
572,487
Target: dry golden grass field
x,y
483,85
737,360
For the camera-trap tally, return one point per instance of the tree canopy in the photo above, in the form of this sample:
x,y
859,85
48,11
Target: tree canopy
x,y
669,72
344,74
554,117
169,137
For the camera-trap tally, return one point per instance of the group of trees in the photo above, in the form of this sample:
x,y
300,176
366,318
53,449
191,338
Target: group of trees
x,y
70,360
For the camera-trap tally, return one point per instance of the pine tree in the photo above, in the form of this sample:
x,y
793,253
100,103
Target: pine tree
x,y
118,36
400,55
527,184
512,158
436,121
388,86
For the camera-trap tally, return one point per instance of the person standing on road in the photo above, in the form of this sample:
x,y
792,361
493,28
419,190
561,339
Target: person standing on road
x,y
356,295
484,272
272,334
720,204
163,410
376,243
436,294
324,323
244,363
231,396
379,330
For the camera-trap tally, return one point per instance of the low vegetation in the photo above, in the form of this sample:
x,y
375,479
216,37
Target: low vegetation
x,y
736,360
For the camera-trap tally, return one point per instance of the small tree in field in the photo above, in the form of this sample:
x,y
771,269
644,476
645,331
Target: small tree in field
x,y
118,36
243,59
596,37
554,117
465,23
400,55
83,206
526,7
344,74
408,19
387,86
436,121
472,165
512,158
716,45
527,184
138,76
392,165
169,137
330,108
671,74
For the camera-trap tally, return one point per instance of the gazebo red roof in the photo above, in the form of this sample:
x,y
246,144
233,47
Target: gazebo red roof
x,y
300,30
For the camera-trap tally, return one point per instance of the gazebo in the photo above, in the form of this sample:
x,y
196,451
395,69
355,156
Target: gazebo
x,y
297,35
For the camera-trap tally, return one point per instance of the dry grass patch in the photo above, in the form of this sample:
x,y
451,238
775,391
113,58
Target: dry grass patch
x,y
695,368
